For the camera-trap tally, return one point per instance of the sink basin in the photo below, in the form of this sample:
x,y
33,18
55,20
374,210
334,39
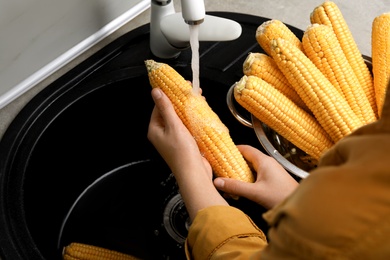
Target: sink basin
x,y
93,121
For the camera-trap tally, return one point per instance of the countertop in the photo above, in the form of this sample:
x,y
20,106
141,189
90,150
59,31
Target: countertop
x,y
358,15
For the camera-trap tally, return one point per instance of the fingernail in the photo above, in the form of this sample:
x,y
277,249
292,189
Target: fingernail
x,y
156,93
219,182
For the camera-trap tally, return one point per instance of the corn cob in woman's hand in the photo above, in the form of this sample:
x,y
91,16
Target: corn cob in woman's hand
x,y
212,136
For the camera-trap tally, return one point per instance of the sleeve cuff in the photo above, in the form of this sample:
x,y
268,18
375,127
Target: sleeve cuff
x,y
214,226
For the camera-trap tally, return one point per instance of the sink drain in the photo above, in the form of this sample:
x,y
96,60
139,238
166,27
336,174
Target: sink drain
x,y
176,219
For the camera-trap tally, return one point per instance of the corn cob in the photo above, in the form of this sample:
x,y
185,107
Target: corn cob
x,y
79,251
323,49
328,106
211,135
263,66
328,13
273,29
281,114
380,42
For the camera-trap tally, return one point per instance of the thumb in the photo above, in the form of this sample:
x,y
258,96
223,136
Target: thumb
x,y
234,187
163,105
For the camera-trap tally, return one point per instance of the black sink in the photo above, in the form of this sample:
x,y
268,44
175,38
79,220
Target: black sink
x,y
91,123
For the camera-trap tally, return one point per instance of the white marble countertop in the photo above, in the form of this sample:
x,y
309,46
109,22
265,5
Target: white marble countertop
x,y
39,36
359,16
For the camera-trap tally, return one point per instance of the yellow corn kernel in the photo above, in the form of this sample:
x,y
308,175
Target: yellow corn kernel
x,y
323,49
263,66
328,13
79,251
281,114
380,44
328,106
212,136
273,29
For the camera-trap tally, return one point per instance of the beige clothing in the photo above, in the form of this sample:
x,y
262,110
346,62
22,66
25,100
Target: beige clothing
x,y
341,211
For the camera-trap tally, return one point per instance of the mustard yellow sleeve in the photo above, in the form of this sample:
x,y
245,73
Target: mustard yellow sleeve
x,y
341,211
220,232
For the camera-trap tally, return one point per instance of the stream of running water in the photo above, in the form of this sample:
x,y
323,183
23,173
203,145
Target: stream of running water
x,y
194,42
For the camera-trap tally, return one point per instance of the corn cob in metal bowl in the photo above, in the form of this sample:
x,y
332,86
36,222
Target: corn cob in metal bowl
x,y
292,158
304,95
278,143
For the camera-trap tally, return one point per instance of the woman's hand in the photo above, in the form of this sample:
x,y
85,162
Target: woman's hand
x,y
273,183
170,137
180,151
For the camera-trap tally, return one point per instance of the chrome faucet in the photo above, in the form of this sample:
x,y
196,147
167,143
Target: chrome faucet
x,y
170,32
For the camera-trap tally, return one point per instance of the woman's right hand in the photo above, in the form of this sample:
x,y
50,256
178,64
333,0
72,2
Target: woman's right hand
x,y
273,183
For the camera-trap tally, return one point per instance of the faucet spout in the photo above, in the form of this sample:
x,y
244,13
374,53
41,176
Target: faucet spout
x,y
170,30
193,11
